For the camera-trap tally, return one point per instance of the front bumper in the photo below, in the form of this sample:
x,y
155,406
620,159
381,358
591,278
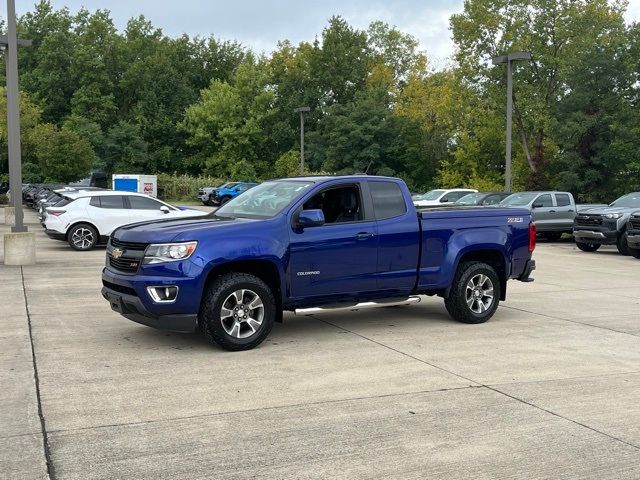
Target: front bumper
x,y
132,308
598,235
633,239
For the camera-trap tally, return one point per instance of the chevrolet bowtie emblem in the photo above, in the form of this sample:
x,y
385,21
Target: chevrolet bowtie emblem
x,y
117,253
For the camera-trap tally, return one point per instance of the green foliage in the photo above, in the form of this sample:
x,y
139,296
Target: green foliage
x,y
138,101
288,165
176,187
62,154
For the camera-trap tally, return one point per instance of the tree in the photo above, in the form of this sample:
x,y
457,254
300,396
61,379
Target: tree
x,y
558,33
63,156
125,149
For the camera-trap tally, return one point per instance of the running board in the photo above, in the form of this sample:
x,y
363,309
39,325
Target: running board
x,y
390,302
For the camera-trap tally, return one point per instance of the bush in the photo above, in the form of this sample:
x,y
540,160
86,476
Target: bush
x,y
4,199
183,187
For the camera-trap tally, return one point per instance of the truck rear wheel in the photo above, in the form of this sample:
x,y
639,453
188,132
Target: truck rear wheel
x,y
474,294
237,312
587,247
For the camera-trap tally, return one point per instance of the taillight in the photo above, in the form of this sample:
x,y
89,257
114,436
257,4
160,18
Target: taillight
x,y
57,213
532,237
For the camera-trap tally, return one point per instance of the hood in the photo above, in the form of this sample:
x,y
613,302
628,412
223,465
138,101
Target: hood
x,y
605,210
179,229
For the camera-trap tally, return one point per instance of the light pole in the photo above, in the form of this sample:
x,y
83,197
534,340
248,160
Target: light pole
x,y
10,44
509,59
302,111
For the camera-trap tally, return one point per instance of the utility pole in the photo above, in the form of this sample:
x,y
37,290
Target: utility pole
x,y
10,45
509,59
302,111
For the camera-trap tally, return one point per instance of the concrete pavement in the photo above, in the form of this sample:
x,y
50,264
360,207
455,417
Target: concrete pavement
x,y
549,388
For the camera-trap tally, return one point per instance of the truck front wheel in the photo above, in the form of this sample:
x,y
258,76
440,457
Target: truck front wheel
x,y
237,312
474,294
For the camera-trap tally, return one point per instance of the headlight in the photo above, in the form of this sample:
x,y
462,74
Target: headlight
x,y
614,216
169,252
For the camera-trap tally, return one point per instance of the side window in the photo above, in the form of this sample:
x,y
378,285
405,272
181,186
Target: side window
x,y
491,200
95,202
544,200
243,188
111,201
387,198
562,199
143,203
339,205
453,196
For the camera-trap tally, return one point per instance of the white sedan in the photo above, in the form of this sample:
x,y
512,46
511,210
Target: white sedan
x,y
90,218
439,197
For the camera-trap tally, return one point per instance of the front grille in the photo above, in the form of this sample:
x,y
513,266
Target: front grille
x,y
127,245
634,224
126,265
200,193
589,220
119,288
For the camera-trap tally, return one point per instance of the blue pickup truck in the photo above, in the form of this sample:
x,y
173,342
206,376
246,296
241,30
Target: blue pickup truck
x,y
312,244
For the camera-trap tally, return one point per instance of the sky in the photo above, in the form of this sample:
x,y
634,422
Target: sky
x,y
261,24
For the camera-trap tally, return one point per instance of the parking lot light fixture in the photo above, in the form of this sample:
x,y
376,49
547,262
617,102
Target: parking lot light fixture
x,y
302,111
509,59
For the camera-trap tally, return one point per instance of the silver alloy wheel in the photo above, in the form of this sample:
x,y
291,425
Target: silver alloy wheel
x,y
242,313
82,238
479,293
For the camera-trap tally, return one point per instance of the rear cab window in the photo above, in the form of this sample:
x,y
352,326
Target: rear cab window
x,y
388,201
563,200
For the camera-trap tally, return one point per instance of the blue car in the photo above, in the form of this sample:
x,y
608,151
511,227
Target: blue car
x,y
226,192
309,245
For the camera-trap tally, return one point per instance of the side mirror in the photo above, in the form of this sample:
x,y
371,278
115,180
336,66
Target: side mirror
x,y
536,205
444,200
164,209
310,218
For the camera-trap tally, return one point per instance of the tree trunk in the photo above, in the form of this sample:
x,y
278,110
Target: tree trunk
x,y
537,179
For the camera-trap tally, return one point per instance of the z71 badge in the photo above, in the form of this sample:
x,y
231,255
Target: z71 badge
x,y
515,219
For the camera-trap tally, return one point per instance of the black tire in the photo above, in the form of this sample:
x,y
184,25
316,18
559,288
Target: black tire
x,y
552,236
457,301
211,203
82,237
587,247
623,245
213,302
634,252
224,200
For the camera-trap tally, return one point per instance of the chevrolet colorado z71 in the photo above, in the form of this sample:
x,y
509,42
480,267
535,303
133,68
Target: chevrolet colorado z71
x,y
311,244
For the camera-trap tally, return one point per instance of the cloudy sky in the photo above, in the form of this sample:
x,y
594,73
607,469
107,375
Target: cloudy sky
x,y
260,24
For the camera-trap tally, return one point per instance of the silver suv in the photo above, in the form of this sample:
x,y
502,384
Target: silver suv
x,y
606,225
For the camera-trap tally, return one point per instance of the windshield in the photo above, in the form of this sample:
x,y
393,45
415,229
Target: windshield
x,y
265,200
432,195
223,185
523,198
629,200
470,199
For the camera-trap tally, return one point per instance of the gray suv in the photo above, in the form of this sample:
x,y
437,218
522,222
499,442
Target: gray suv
x,y
606,225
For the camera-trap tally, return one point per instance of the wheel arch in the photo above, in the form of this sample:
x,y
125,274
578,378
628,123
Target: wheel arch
x,y
81,222
266,270
492,257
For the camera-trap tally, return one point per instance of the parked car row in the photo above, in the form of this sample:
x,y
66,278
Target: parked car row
x,y
85,217
555,213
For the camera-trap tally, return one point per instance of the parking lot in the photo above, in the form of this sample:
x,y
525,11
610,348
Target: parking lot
x,y
549,388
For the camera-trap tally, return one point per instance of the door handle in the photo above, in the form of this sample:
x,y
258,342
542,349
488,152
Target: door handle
x,y
364,235
571,211
552,211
